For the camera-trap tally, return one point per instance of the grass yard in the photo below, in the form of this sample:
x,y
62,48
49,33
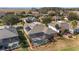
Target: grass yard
x,y
61,44
71,49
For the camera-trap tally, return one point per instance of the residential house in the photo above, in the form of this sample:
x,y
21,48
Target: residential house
x,y
65,18
8,38
56,18
52,26
64,26
40,34
29,19
59,26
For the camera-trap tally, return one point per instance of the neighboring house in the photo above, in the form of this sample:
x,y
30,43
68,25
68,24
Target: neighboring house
x,y
56,18
66,18
8,39
52,26
29,19
40,34
66,26
61,24
76,31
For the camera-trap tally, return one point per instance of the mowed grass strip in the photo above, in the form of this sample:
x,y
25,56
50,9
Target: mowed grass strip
x,y
71,49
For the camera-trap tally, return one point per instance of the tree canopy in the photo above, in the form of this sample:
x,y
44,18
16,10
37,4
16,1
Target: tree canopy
x,y
74,24
29,12
73,16
51,13
46,20
10,19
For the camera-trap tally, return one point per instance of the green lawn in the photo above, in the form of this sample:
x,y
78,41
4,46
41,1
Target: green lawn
x,y
71,49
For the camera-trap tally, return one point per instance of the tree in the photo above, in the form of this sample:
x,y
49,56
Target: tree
x,y
51,13
74,24
23,12
29,12
73,16
46,20
10,19
57,26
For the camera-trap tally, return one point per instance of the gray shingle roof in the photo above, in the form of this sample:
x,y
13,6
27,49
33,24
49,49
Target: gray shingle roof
x,y
41,28
50,31
38,28
8,33
64,25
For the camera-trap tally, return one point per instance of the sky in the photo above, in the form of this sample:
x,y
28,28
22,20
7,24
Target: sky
x,y
39,3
